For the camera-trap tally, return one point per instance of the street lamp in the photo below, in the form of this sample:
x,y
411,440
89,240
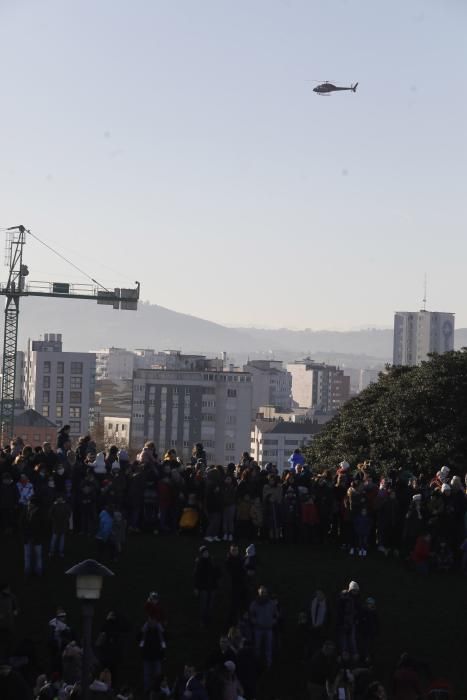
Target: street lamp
x,y
89,576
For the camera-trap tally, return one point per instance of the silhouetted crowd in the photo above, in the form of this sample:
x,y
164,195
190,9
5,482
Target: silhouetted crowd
x,y
47,493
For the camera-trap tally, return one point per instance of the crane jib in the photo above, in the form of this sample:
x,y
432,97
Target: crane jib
x,y
16,287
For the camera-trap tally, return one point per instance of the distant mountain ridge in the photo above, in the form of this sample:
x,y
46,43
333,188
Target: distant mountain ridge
x,y
86,326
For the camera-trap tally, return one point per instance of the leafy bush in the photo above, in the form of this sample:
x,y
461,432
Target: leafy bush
x,y
413,417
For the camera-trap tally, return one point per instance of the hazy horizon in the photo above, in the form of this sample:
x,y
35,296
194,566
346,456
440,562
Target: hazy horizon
x,y
180,144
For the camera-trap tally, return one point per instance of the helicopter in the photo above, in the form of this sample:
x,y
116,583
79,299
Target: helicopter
x,y
325,88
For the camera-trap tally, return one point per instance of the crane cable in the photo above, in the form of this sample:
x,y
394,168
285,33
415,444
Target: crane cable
x,y
66,260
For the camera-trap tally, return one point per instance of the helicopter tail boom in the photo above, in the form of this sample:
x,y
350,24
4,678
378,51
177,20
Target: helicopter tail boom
x,y
354,87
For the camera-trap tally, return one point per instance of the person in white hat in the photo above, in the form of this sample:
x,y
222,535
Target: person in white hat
x,y
348,614
413,523
232,687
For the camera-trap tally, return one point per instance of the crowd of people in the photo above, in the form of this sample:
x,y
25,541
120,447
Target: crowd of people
x,y
48,492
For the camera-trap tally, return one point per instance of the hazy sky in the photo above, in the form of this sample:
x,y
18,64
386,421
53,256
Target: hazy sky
x,y
179,143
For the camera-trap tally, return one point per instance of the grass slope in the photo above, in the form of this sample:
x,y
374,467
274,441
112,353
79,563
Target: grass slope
x,y
424,616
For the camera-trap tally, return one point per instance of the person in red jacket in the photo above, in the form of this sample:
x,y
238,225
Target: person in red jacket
x,y
309,519
421,553
154,609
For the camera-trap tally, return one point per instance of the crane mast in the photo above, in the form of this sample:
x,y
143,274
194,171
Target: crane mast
x,y
15,288
17,274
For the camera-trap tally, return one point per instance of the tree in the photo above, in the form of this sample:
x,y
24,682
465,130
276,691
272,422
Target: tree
x,y
413,417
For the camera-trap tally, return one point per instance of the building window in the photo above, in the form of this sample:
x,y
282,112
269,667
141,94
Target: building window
x,y
45,411
59,411
46,397
232,393
76,368
75,411
229,446
60,381
187,390
110,426
46,382
46,367
59,397
123,428
36,437
60,368
75,397
76,383
75,426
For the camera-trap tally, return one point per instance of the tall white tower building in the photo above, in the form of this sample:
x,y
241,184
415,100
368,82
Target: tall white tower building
x,y
419,333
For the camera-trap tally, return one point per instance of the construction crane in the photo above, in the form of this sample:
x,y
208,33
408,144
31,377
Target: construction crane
x,y
16,287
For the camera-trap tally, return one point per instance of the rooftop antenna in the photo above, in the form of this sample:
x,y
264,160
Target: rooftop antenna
x,y
424,292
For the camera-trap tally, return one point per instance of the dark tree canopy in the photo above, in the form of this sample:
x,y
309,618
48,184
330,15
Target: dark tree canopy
x,y
413,417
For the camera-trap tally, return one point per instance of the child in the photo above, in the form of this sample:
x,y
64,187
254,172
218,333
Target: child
x,y
117,537
444,557
250,563
309,519
362,527
256,516
190,520
244,516
421,554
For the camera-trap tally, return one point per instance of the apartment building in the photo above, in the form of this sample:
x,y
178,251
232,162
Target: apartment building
x,y
275,440
272,384
60,385
116,431
318,386
196,400
114,364
419,333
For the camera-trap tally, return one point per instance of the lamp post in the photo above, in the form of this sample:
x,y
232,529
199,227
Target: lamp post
x,y
89,577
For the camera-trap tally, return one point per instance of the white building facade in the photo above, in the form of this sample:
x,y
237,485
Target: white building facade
x,y
178,407
419,333
318,386
60,385
272,384
274,441
114,364
116,431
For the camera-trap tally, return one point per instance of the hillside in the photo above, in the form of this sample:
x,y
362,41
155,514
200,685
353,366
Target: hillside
x,y
87,326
